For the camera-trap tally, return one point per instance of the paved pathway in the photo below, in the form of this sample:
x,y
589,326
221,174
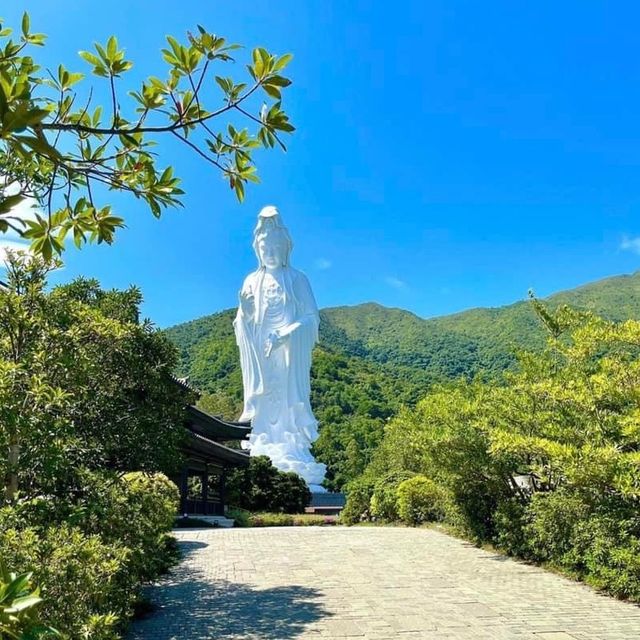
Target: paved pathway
x,y
334,582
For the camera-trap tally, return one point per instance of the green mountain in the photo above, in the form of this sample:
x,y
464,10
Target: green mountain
x,y
372,359
473,341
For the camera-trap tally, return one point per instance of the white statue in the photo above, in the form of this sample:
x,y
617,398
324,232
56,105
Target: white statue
x,y
276,327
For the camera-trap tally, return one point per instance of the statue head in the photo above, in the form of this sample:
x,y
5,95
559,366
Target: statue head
x,y
271,240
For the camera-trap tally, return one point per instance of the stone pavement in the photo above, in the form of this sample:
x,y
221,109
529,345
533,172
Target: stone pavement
x,y
366,582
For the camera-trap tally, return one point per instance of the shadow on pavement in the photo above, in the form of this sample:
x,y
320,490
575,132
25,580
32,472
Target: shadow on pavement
x,y
188,547
192,607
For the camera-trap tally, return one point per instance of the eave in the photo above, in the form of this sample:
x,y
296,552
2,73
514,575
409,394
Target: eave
x,y
215,428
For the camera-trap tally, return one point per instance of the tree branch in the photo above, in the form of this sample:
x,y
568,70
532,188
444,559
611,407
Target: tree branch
x,y
199,151
162,129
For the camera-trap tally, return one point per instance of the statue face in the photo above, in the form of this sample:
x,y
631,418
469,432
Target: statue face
x,y
272,254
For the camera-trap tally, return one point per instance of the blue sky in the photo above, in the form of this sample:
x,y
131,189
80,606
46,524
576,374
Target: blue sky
x,y
448,154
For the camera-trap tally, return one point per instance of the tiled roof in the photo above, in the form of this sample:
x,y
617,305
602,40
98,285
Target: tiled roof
x,y
217,451
184,383
216,428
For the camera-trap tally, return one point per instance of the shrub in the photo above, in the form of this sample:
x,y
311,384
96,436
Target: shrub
x,y
475,503
550,531
420,499
19,600
384,501
240,516
136,510
193,522
593,538
90,557
509,520
612,556
85,583
152,502
358,503
313,520
292,495
287,520
37,513
271,520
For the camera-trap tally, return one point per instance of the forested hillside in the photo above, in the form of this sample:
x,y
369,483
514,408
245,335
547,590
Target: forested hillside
x,y
372,359
474,341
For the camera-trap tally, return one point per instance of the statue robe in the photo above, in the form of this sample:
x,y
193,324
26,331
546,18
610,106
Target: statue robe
x,y
277,388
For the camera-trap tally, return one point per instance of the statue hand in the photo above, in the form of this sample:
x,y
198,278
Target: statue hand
x,y
247,302
274,341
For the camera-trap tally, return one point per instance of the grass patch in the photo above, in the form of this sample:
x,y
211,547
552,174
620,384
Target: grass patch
x,y
246,519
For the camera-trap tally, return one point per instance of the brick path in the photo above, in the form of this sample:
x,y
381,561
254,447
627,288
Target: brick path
x,y
334,582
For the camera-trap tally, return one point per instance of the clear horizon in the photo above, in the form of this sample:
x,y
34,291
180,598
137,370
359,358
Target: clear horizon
x,y
443,315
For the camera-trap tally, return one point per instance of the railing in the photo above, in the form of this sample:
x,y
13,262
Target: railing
x,y
211,507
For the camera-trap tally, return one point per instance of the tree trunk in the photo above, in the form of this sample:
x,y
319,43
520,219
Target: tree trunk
x,y
11,483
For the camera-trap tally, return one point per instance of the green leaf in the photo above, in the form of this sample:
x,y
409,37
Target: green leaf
x,y
21,604
266,59
17,586
282,62
25,24
239,188
89,57
279,81
223,83
274,92
37,39
73,78
175,45
112,48
41,146
258,65
8,203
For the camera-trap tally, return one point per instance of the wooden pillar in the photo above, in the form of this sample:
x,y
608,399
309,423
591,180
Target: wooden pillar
x,y
222,486
184,489
205,489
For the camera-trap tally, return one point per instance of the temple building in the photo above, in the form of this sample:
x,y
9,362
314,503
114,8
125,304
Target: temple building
x,y
208,457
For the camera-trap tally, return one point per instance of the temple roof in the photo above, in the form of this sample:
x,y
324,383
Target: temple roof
x,y
206,432
216,428
186,386
208,449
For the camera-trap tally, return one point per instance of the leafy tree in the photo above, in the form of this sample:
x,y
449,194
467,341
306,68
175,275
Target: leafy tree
x,y
222,404
31,401
61,149
262,487
83,384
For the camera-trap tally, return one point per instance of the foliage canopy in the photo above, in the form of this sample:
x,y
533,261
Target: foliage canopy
x,y
62,150
83,384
